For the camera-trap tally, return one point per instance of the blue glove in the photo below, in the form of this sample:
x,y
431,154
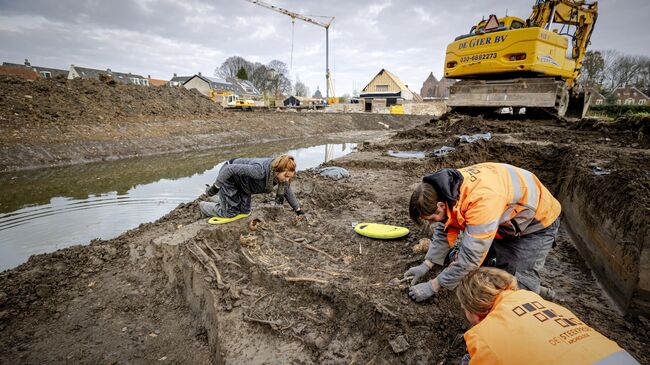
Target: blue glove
x,y
422,291
417,272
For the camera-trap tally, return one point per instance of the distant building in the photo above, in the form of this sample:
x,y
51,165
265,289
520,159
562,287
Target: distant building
x,y
121,77
630,95
245,88
299,101
317,94
156,82
44,72
384,90
596,98
434,89
216,86
179,80
20,71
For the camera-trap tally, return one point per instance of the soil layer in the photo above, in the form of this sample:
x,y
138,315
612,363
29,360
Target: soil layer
x,y
276,288
46,123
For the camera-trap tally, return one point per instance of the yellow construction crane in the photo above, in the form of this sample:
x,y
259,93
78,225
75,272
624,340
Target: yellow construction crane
x,y
511,62
329,94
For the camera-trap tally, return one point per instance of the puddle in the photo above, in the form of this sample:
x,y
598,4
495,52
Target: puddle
x,y
45,210
406,154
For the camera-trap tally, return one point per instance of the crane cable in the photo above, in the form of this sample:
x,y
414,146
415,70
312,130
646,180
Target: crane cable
x,y
293,26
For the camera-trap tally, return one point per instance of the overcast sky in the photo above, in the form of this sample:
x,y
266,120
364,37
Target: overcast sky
x,y
162,37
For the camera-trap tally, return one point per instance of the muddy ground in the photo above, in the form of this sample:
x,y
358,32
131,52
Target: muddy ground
x,y
276,289
45,123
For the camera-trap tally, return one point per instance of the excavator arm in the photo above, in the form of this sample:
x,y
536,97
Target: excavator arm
x,y
576,13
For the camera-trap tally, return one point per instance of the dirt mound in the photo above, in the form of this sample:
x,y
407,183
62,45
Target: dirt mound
x,y
64,101
638,126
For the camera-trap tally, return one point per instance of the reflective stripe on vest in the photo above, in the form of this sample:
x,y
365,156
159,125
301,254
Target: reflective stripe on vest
x,y
617,358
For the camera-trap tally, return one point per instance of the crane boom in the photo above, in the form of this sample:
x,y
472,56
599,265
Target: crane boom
x,y
292,14
323,24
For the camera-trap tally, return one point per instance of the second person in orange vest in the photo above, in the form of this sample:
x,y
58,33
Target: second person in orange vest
x,y
496,208
511,326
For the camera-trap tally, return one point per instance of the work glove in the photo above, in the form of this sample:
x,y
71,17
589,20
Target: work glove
x,y
417,272
211,190
299,212
422,291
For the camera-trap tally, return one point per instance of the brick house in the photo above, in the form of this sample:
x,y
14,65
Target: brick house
x,y
433,89
630,95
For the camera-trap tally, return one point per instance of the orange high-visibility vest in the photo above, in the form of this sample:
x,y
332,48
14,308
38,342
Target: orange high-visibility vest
x,y
504,197
523,328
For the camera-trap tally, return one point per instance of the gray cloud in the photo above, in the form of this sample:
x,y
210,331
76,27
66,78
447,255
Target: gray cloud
x,y
160,37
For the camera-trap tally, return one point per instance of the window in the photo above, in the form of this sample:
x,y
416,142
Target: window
x,y
641,101
516,25
618,101
629,101
46,74
381,87
599,102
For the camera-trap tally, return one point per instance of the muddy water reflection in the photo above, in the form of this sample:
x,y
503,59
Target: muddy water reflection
x,y
42,211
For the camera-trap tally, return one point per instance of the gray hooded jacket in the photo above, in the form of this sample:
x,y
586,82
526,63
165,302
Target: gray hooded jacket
x,y
255,176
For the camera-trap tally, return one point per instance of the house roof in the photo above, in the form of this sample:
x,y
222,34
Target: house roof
x,y
22,71
631,88
394,78
180,78
157,82
92,73
245,86
431,76
231,84
54,71
596,93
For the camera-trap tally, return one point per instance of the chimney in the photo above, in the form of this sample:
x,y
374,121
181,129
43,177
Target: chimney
x,y
199,73
149,77
174,74
27,62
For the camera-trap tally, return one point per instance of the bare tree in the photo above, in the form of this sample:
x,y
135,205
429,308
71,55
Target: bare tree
x,y
625,70
593,67
231,66
272,78
300,89
282,82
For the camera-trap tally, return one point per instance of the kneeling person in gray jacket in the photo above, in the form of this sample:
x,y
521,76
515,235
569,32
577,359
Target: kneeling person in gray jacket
x,y
239,178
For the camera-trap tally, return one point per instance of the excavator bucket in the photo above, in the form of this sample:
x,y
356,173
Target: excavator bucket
x,y
535,93
578,106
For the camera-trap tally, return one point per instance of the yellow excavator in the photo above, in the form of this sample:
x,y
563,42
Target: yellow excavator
x,y
514,63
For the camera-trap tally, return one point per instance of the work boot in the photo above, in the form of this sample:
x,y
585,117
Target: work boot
x,y
547,293
209,209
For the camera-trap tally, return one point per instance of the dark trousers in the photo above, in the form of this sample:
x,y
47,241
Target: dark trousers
x,y
524,256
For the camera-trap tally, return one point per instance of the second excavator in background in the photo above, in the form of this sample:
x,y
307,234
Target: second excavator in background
x,y
524,64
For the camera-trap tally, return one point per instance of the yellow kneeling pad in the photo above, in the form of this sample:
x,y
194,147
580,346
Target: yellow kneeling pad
x,y
222,220
381,231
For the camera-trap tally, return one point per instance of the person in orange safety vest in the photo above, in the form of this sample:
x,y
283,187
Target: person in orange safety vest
x,y
511,326
496,208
